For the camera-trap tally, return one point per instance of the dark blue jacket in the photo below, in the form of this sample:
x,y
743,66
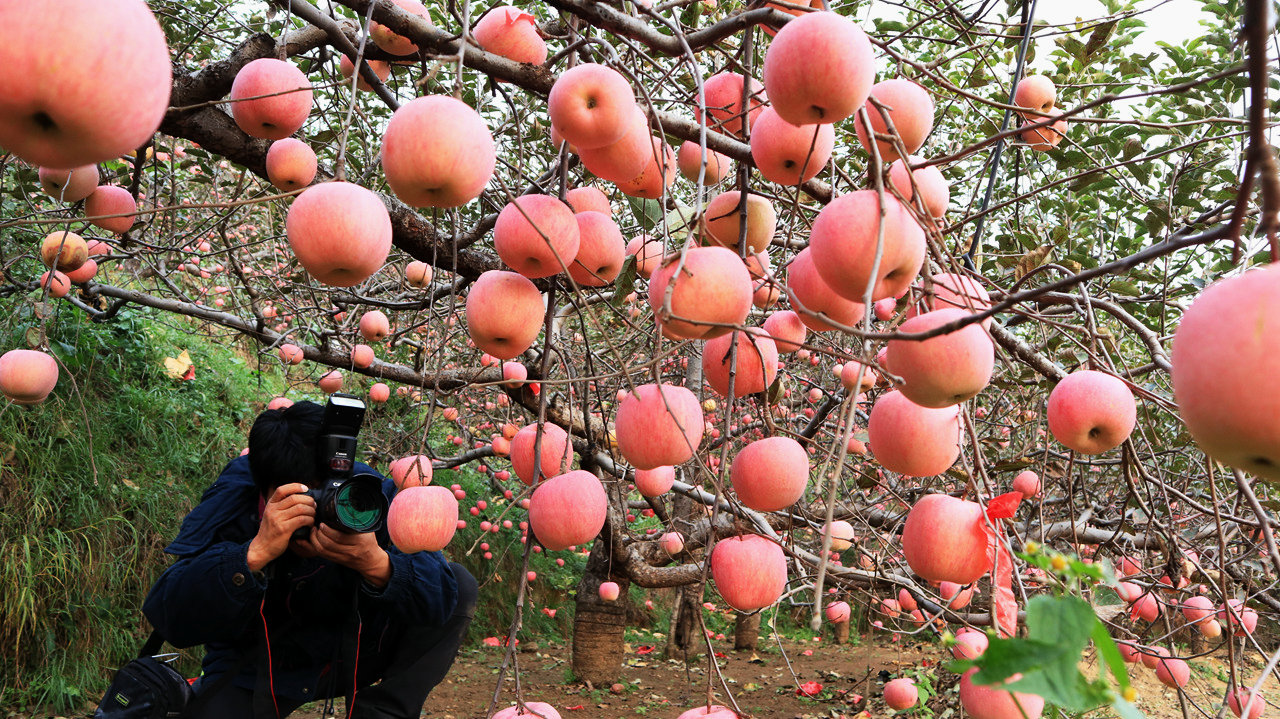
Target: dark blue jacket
x,y
210,597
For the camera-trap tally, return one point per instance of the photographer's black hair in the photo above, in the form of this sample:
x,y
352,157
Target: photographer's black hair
x,y
282,446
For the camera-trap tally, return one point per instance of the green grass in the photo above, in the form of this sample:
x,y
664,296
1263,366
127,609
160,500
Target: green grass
x,y
94,483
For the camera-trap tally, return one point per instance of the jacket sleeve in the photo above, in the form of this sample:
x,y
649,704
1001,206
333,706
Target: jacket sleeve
x,y
422,588
206,597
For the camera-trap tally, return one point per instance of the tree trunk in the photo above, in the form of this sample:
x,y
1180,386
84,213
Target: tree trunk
x,y
841,631
683,637
599,626
746,631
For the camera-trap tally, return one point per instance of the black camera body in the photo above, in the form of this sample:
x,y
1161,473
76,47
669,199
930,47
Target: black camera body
x,y
352,503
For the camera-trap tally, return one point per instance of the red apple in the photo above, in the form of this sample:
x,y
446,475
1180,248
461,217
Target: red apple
x,y
270,98
1225,343
648,253
770,474
69,186
1243,698
946,369
1091,412
754,370
1043,139
810,295
362,356
627,157
991,702
901,694
722,95
381,70
843,243
398,44
512,33
750,571
83,273
609,591
600,250
913,440
330,382
1027,483
291,164
437,152
504,313
418,274
412,471
535,710
27,376
690,161
722,221
85,81
787,331
536,235
555,456
422,519
910,108
290,354
567,509
659,425
1035,92
711,293
930,186
655,482
374,325
788,154
591,105
111,200
944,539
340,232
819,69
588,199
657,176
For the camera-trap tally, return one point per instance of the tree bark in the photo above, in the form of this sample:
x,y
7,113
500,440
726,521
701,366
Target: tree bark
x,y
840,631
599,626
746,632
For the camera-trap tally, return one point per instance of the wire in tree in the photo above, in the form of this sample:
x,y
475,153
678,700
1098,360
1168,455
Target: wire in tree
x,y
1028,14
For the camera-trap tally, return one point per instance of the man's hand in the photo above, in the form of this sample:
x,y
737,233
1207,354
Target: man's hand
x,y
355,551
287,511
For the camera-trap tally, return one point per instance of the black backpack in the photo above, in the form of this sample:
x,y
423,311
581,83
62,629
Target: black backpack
x,y
146,688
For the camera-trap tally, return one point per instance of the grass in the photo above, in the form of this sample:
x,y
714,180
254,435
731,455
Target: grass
x,y
93,485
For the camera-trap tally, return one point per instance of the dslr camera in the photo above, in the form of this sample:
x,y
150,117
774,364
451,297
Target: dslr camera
x,y
352,503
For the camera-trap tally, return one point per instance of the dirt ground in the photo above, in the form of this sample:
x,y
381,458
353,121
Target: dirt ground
x,y
765,684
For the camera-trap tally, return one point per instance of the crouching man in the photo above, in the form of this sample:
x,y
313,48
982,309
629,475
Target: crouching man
x,y
293,610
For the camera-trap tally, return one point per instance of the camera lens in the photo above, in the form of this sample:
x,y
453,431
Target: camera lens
x,y
360,505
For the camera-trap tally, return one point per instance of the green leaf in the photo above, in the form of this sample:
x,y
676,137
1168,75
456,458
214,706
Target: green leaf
x,y
626,282
648,212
